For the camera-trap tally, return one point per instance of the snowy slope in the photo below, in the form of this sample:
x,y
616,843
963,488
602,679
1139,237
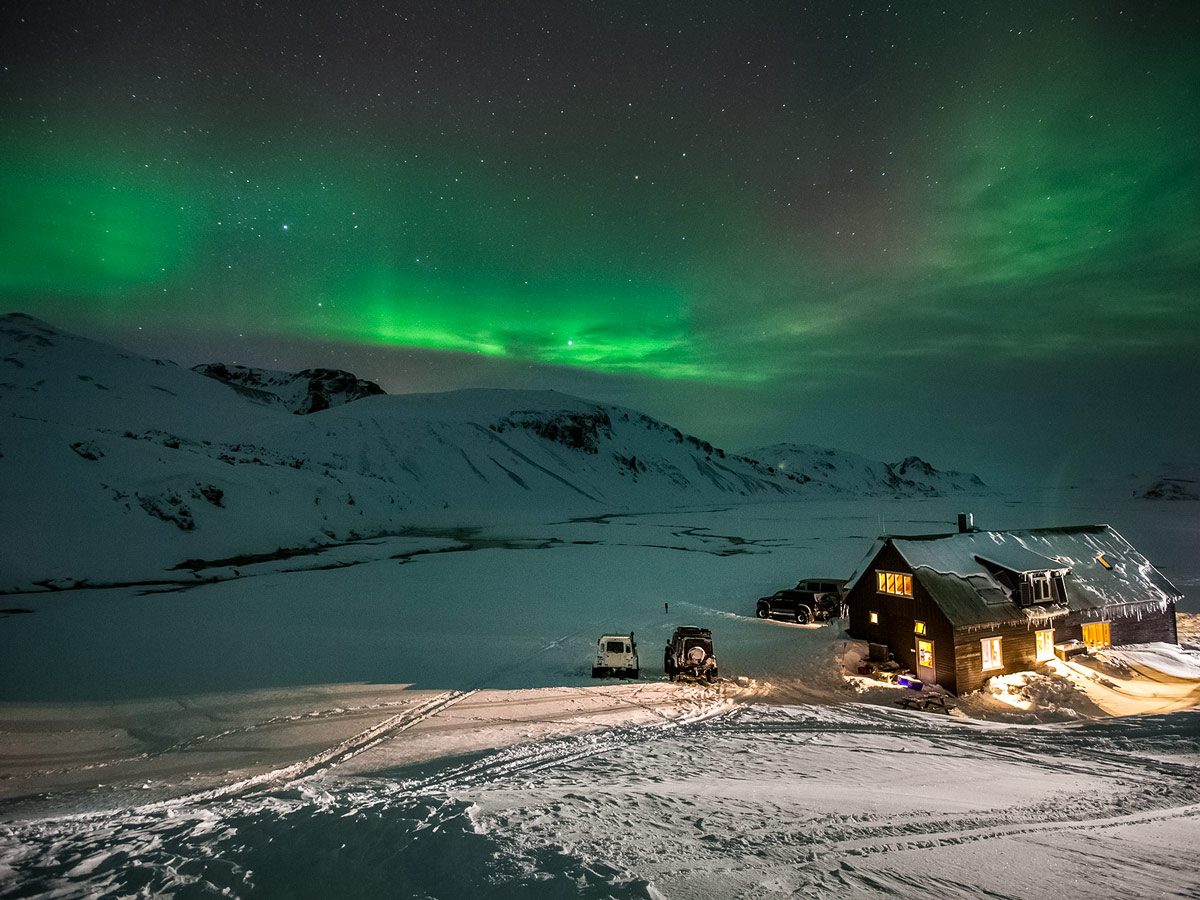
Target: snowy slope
x,y
844,472
115,467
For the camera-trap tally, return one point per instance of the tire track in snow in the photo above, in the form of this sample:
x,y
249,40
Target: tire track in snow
x,y
287,776
538,756
922,840
201,740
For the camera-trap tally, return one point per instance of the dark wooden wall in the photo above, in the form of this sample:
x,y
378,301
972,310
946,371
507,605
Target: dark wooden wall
x,y
1018,650
1154,624
1019,645
897,617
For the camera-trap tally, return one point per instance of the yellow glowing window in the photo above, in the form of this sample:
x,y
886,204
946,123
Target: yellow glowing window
x,y
1103,561
925,653
991,654
919,628
874,618
894,583
1045,645
1097,634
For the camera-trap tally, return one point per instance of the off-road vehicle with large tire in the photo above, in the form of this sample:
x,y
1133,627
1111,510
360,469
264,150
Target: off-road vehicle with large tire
x,y
690,652
812,600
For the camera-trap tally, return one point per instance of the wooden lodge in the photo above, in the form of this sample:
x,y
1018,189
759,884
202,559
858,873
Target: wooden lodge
x,y
958,609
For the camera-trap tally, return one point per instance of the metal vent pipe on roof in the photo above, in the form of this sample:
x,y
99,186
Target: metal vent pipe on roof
x,y
966,523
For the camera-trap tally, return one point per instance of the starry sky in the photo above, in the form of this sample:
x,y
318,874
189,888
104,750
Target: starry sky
x,y
966,230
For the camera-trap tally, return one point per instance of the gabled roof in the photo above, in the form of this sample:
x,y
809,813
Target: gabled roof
x,y
952,569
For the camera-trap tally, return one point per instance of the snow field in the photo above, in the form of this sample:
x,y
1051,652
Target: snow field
x,y
862,801
251,737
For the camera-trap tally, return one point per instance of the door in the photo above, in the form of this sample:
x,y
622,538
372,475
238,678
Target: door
x,y
925,669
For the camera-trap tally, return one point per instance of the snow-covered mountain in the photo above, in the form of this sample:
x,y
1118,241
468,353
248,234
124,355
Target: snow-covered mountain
x,y
845,472
115,467
1177,482
303,392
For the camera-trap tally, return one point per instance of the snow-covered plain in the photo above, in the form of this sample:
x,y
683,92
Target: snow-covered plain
x,y
414,717
348,655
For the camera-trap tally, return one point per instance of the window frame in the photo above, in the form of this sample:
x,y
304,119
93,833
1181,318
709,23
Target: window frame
x,y
894,584
920,628
1041,588
1044,644
992,653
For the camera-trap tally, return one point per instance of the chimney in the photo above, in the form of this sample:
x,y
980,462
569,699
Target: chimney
x,y
966,523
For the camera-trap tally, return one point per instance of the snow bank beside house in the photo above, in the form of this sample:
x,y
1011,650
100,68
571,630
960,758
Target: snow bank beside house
x,y
1043,696
1137,680
1171,660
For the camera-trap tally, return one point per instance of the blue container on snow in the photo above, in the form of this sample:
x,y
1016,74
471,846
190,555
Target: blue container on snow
x,y
909,681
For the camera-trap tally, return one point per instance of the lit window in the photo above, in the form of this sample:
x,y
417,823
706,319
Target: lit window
x,y
925,653
1097,634
918,628
894,583
874,618
991,654
1103,561
1045,645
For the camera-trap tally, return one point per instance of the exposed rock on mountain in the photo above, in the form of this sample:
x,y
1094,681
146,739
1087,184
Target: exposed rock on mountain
x,y
303,392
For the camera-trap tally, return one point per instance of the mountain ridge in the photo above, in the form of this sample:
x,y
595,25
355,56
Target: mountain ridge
x,y
116,467
843,471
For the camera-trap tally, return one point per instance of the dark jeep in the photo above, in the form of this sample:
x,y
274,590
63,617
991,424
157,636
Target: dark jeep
x,y
690,652
812,600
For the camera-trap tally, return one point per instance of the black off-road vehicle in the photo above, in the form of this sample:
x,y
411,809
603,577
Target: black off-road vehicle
x,y
690,653
812,600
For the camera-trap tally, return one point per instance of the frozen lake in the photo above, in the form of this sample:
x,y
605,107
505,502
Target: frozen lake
x,y
500,606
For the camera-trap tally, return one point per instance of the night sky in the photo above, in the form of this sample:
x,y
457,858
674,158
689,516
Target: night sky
x,y
966,230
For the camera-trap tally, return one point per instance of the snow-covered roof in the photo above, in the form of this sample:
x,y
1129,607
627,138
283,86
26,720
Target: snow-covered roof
x,y
1103,572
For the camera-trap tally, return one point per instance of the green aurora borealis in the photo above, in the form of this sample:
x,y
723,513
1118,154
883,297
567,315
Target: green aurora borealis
x,y
767,205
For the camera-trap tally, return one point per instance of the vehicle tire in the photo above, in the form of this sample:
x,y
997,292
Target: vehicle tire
x,y
712,675
763,612
803,616
633,674
597,673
